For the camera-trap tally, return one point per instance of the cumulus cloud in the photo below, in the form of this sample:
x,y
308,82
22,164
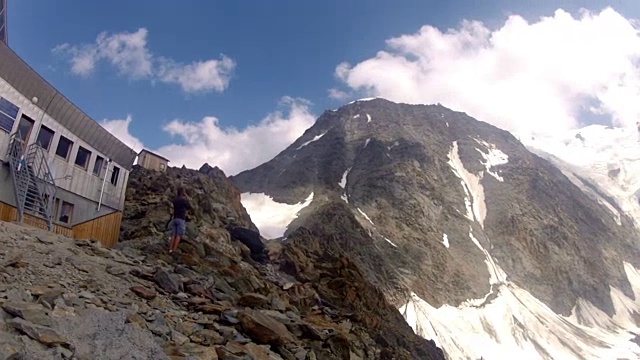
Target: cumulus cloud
x,y
198,76
120,129
236,150
231,149
338,94
524,77
130,55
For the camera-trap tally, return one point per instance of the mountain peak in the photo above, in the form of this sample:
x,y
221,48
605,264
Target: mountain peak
x,y
459,213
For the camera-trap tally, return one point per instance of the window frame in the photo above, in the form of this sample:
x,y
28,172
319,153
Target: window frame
x,y
101,169
87,159
8,116
115,170
60,140
53,134
59,212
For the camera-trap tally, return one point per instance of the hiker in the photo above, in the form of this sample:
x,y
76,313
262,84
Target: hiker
x,y
179,222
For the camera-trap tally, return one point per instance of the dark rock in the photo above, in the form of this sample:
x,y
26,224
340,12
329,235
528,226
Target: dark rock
x,y
251,239
167,281
253,300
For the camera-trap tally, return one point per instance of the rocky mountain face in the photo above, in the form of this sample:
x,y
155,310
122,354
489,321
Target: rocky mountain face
x,y
438,206
66,299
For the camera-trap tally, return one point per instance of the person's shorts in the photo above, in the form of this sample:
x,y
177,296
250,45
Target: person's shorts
x,y
178,227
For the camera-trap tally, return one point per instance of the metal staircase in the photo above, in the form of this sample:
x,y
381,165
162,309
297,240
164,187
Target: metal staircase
x,y
34,187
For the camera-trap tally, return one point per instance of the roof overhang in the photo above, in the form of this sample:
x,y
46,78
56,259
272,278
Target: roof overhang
x,y
30,84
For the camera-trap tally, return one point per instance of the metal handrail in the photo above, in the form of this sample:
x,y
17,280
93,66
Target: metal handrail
x,y
30,168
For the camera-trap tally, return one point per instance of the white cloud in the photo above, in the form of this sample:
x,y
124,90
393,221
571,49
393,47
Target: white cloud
x,y
236,150
230,149
198,76
521,77
130,55
338,94
120,129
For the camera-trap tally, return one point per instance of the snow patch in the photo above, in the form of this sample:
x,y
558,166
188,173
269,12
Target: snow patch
x,y
363,99
391,242
445,240
474,192
513,325
356,116
493,157
366,217
368,118
367,142
272,218
343,181
316,138
606,156
393,145
343,184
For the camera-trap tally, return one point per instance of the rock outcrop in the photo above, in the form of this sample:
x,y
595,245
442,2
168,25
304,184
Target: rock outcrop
x,y
66,299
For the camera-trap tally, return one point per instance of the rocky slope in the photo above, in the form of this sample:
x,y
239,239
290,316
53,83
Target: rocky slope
x,y
461,215
65,299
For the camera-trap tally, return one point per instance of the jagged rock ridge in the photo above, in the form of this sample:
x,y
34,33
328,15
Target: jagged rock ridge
x,y
64,299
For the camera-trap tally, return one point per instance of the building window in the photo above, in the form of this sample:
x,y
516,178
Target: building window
x,y
64,147
98,165
24,127
114,175
66,213
8,114
82,157
45,135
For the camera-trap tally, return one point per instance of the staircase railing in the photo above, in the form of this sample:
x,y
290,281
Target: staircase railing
x,y
34,186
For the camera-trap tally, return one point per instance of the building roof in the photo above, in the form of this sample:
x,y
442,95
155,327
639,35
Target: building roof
x,y
154,154
29,83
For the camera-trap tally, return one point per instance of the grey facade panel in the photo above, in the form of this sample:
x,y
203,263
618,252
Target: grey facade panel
x,y
24,79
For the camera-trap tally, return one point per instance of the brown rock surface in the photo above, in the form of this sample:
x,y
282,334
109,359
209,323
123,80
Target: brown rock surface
x,y
208,302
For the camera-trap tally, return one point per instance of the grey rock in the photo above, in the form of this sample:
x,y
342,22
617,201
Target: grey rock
x,y
169,282
99,334
30,312
43,334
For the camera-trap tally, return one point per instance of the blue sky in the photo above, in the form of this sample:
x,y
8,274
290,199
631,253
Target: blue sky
x,y
273,49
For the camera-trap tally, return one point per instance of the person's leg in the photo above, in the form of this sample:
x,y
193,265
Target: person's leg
x,y
181,226
174,231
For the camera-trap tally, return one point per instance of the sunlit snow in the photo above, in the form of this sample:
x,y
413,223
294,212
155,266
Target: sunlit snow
x,y
474,192
356,116
363,99
445,240
368,118
609,157
391,242
514,324
316,138
343,181
271,218
493,157
366,217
